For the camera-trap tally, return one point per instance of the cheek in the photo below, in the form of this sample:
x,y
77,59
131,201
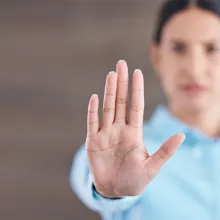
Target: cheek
x,y
215,84
214,75
171,65
170,75
169,83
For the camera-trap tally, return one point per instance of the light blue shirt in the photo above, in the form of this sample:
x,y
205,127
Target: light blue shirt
x,y
186,188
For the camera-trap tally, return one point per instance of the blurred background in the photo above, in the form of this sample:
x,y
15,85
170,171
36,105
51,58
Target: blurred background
x,y
53,56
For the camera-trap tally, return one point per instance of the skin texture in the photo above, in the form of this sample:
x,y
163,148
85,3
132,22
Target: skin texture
x,y
187,56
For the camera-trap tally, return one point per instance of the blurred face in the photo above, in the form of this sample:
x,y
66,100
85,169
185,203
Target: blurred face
x,y
188,60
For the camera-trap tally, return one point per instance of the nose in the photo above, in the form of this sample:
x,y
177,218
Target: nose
x,y
196,63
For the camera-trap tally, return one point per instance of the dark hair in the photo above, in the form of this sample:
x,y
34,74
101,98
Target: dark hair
x,y
171,7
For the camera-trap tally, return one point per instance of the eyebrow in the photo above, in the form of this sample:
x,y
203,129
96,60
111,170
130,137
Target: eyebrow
x,y
214,40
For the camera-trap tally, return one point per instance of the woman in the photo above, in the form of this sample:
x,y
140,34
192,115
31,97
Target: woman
x,y
127,169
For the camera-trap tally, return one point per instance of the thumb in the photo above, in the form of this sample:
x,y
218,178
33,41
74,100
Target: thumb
x,y
157,160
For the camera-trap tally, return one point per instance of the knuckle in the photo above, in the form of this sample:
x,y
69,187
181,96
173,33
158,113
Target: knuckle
x,y
109,92
108,110
92,111
121,101
138,90
123,81
106,128
119,120
89,136
163,154
136,125
91,123
165,151
137,108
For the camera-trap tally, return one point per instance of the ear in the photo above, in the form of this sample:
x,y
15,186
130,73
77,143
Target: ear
x,y
155,58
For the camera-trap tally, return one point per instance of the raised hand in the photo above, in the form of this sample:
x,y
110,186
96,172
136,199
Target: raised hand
x,y
117,155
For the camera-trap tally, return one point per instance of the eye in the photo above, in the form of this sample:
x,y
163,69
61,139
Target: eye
x,y
211,48
179,48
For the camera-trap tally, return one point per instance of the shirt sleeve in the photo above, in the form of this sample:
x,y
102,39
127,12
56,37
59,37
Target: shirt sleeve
x,y
81,182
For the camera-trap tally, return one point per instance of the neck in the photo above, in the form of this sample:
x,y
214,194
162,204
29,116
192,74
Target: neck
x,y
206,121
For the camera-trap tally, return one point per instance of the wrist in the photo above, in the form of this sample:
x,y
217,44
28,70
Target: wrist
x,y
107,195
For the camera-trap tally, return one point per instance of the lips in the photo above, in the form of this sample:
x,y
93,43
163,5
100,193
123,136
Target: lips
x,y
194,88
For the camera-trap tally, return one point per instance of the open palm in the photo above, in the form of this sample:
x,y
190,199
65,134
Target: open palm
x,y
116,152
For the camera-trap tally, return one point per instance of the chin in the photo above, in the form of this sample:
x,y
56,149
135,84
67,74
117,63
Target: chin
x,y
195,105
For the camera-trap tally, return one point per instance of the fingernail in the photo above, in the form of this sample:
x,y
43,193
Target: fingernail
x,y
137,70
184,136
95,95
121,61
111,72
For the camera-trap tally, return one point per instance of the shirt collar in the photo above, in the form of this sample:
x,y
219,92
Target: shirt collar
x,y
166,125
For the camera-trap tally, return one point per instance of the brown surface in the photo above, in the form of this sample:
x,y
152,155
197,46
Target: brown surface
x,y
54,56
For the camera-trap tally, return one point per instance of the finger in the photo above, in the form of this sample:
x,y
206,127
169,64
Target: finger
x,y
157,160
122,92
93,117
109,99
137,100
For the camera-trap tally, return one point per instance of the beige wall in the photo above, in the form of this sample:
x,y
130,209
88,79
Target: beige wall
x,y
54,56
